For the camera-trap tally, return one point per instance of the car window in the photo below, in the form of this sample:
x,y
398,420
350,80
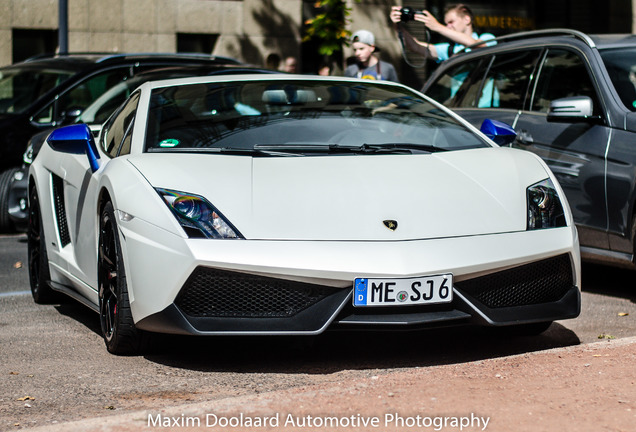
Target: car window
x,y
300,117
21,86
621,67
116,132
562,74
446,89
506,83
78,98
99,111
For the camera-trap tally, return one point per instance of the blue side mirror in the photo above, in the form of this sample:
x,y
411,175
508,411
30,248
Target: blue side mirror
x,y
500,132
76,139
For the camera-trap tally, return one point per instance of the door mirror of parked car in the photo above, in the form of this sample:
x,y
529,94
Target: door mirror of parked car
x,y
571,109
501,133
76,139
70,116
95,129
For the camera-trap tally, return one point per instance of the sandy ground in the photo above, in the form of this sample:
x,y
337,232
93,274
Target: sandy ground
x,y
589,387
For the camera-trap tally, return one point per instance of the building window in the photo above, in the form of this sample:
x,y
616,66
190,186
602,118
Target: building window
x,y
196,42
30,43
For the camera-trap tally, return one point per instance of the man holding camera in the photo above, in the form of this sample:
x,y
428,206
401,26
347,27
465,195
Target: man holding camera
x,y
458,29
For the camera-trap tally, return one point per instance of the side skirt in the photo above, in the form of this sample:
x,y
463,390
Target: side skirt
x,y
604,256
66,290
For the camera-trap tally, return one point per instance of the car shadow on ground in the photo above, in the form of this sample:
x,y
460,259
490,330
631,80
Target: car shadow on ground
x,y
336,351
610,281
80,313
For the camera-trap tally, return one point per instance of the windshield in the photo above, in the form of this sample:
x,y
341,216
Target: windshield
x,y
621,67
20,87
300,118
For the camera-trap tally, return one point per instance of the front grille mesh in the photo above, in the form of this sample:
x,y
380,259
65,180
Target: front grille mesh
x,y
218,293
539,282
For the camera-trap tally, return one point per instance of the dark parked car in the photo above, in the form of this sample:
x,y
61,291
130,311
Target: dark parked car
x,y
95,115
571,98
47,92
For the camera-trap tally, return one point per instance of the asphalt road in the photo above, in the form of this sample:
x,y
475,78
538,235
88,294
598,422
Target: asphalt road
x,y
13,256
54,367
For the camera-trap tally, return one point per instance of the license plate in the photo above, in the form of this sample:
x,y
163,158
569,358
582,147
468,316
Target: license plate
x,y
407,291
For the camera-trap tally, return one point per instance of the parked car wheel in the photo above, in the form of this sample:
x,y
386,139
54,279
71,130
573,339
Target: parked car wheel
x,y
119,331
5,180
38,262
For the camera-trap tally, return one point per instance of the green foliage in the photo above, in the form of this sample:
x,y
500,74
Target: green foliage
x,y
329,26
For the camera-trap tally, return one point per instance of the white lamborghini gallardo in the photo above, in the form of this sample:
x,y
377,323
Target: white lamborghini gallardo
x,y
292,205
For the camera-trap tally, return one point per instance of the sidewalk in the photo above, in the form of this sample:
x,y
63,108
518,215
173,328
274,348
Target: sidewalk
x,y
590,387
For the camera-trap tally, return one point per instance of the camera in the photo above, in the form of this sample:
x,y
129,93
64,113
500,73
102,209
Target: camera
x,y
408,13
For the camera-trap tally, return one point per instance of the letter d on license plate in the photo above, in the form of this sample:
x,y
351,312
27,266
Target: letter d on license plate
x,y
408,291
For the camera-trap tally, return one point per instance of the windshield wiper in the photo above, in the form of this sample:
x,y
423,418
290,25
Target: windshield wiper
x,y
251,151
225,150
308,148
405,146
338,148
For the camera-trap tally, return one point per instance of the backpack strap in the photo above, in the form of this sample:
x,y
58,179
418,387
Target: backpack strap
x,y
451,49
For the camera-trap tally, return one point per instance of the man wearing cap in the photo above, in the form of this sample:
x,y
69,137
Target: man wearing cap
x,y
367,65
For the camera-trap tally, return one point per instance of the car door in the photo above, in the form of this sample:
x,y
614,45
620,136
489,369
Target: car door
x,y
81,191
575,151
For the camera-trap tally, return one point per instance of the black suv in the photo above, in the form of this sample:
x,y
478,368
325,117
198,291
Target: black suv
x,y
42,93
571,98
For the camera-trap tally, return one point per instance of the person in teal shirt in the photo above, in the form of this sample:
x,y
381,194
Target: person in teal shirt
x,y
457,28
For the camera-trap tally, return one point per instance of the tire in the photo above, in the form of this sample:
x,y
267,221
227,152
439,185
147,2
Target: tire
x,y
633,229
6,226
39,274
118,328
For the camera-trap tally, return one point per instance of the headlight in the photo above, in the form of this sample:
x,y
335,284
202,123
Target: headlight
x,y
197,216
544,206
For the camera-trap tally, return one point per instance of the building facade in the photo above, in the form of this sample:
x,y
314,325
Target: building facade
x,y
244,29
251,30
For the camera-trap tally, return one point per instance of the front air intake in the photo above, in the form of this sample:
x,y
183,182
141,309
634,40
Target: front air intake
x,y
219,293
539,282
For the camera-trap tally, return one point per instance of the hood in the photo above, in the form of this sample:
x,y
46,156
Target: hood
x,y
437,195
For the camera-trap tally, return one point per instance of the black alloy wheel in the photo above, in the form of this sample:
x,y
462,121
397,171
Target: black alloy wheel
x,y
118,328
38,262
6,177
